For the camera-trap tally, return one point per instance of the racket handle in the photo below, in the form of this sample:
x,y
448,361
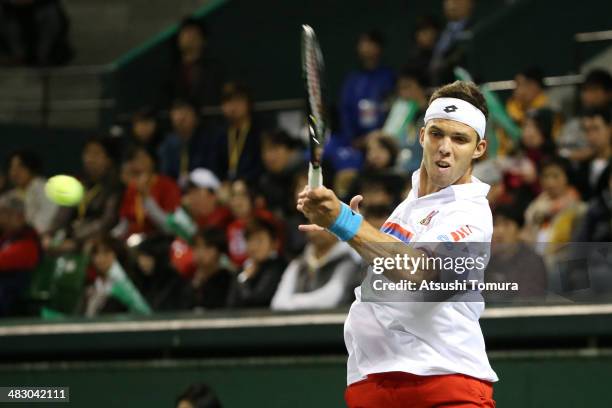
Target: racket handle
x,y
315,178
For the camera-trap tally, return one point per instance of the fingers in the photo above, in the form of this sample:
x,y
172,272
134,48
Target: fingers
x,y
355,201
310,228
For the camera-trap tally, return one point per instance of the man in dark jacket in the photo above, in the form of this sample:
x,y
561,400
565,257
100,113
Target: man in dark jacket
x,y
592,175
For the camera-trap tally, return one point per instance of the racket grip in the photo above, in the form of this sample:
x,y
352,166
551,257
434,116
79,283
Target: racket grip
x,y
315,178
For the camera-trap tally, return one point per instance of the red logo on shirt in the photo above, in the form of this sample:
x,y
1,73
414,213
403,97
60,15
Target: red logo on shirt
x,y
461,233
426,220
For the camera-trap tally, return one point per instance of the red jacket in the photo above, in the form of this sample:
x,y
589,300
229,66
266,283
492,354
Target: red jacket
x,y
20,250
163,190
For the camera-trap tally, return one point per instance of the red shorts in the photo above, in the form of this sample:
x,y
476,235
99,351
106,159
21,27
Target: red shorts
x,y
397,389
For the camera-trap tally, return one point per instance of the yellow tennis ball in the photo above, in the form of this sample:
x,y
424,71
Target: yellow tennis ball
x,y
64,190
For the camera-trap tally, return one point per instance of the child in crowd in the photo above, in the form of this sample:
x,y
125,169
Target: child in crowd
x,y
112,291
210,283
255,285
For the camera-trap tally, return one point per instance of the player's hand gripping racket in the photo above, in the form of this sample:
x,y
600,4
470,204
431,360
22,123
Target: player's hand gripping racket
x,y
313,69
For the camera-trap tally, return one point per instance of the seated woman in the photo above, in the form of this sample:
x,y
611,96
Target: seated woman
x,y
550,217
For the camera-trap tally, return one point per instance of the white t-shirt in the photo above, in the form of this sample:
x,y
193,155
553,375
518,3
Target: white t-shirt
x,y
425,338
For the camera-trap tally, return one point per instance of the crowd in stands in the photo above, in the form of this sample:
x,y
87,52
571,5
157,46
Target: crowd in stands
x,y
195,215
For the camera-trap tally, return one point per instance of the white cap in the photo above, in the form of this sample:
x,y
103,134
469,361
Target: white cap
x,y
204,178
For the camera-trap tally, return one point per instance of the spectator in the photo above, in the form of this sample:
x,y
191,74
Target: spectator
x,y
20,253
198,396
520,166
377,215
379,177
595,93
145,185
188,146
195,75
282,159
425,39
528,94
362,103
111,291
35,32
595,226
238,146
448,53
407,116
244,207
512,261
592,175
200,209
257,283
550,217
144,131
322,278
209,286
97,212
158,283
25,170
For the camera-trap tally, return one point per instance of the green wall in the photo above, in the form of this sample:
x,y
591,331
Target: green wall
x,y
535,382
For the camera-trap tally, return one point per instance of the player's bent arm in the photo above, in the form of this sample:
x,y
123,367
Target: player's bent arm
x,y
371,243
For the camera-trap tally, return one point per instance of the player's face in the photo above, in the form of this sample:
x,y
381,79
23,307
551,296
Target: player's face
x,y
448,150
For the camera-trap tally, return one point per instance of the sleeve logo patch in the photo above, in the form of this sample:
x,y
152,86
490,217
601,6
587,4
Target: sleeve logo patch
x,y
461,233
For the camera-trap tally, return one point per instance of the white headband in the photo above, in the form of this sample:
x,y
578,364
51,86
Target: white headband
x,y
457,110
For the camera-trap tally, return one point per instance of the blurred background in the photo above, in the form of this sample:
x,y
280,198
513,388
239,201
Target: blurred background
x,y
181,280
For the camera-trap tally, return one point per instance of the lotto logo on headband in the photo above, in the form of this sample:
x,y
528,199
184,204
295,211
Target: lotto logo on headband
x,y
450,108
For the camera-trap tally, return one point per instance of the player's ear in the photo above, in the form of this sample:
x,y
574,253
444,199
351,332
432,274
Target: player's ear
x,y
481,148
422,136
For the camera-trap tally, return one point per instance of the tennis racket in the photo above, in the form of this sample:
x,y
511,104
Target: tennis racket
x,y
312,70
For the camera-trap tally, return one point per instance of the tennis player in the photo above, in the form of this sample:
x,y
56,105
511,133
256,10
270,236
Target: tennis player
x,y
420,354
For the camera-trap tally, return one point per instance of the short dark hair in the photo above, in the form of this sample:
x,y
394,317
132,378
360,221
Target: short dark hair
x,y
598,78
465,90
235,89
213,237
259,224
375,35
556,161
200,395
604,113
511,212
179,103
144,113
190,22
417,74
29,160
279,137
534,74
427,22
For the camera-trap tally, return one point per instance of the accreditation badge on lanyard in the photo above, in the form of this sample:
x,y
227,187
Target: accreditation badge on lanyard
x,y
236,141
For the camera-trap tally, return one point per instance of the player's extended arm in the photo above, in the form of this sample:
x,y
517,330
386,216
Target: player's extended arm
x,y
322,207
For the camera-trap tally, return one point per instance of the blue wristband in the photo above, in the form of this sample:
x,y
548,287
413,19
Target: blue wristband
x,y
347,224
